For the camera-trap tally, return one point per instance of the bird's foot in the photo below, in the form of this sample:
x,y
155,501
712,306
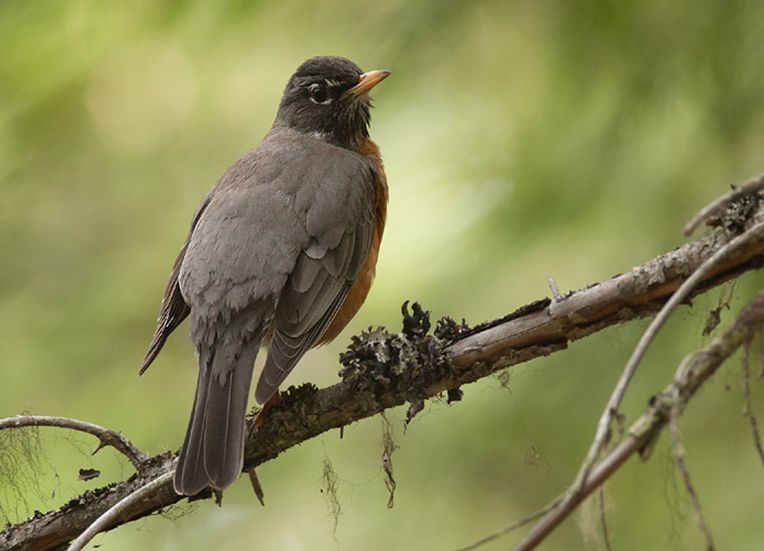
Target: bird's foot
x,y
274,400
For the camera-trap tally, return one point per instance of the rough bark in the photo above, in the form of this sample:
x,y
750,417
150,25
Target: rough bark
x,y
383,370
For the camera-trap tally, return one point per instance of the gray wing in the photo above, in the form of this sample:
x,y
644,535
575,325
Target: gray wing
x,y
311,298
174,309
337,197
238,260
288,225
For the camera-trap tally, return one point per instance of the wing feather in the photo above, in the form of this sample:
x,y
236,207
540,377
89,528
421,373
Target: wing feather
x,y
318,287
174,309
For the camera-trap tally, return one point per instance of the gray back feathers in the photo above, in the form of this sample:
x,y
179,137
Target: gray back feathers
x,y
274,250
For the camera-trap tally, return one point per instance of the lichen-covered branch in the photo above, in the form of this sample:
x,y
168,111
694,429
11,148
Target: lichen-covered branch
x,y
383,370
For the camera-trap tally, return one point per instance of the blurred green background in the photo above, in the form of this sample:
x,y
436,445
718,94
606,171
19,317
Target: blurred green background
x,y
522,140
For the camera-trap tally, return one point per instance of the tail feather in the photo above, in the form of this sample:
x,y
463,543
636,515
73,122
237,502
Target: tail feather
x,y
190,477
225,430
213,450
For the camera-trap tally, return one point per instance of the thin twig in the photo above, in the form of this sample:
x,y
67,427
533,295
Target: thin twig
x,y
681,294
703,364
748,411
534,331
679,456
553,287
749,188
514,526
111,515
603,519
256,486
570,501
107,437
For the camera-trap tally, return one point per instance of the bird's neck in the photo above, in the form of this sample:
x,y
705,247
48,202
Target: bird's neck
x,y
354,141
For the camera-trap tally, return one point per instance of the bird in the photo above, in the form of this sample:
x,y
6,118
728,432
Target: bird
x,y
281,254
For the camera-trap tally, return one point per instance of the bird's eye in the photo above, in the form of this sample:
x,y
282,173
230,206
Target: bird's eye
x,y
318,94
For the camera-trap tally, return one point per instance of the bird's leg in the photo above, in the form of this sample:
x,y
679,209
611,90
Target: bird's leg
x,y
274,400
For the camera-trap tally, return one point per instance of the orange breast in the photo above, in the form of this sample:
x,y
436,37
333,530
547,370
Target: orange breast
x,y
362,284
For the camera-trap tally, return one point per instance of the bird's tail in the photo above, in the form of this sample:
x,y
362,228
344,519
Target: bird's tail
x,y
213,450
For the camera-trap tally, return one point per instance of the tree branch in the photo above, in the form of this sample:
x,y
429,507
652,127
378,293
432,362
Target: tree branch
x,y
682,293
692,373
112,515
107,437
383,370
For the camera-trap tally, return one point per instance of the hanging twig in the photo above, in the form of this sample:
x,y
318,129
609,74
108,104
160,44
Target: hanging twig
x,y
748,409
681,294
679,456
603,519
538,329
696,369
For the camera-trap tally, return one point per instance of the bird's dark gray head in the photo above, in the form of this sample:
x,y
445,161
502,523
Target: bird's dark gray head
x,y
328,96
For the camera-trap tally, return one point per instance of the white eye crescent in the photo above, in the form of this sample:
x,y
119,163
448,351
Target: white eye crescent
x,y
319,95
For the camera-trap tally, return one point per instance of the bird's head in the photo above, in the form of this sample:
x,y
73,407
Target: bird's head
x,y
328,96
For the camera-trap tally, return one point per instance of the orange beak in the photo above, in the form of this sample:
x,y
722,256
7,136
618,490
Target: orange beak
x,y
366,82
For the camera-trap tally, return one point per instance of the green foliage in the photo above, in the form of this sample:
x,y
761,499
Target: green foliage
x,y
522,140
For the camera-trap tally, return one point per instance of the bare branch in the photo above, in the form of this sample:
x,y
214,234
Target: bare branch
x,y
634,294
512,527
749,188
107,437
372,386
684,292
694,370
109,518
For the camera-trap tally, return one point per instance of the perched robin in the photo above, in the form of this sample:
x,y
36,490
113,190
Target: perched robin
x,y
281,252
